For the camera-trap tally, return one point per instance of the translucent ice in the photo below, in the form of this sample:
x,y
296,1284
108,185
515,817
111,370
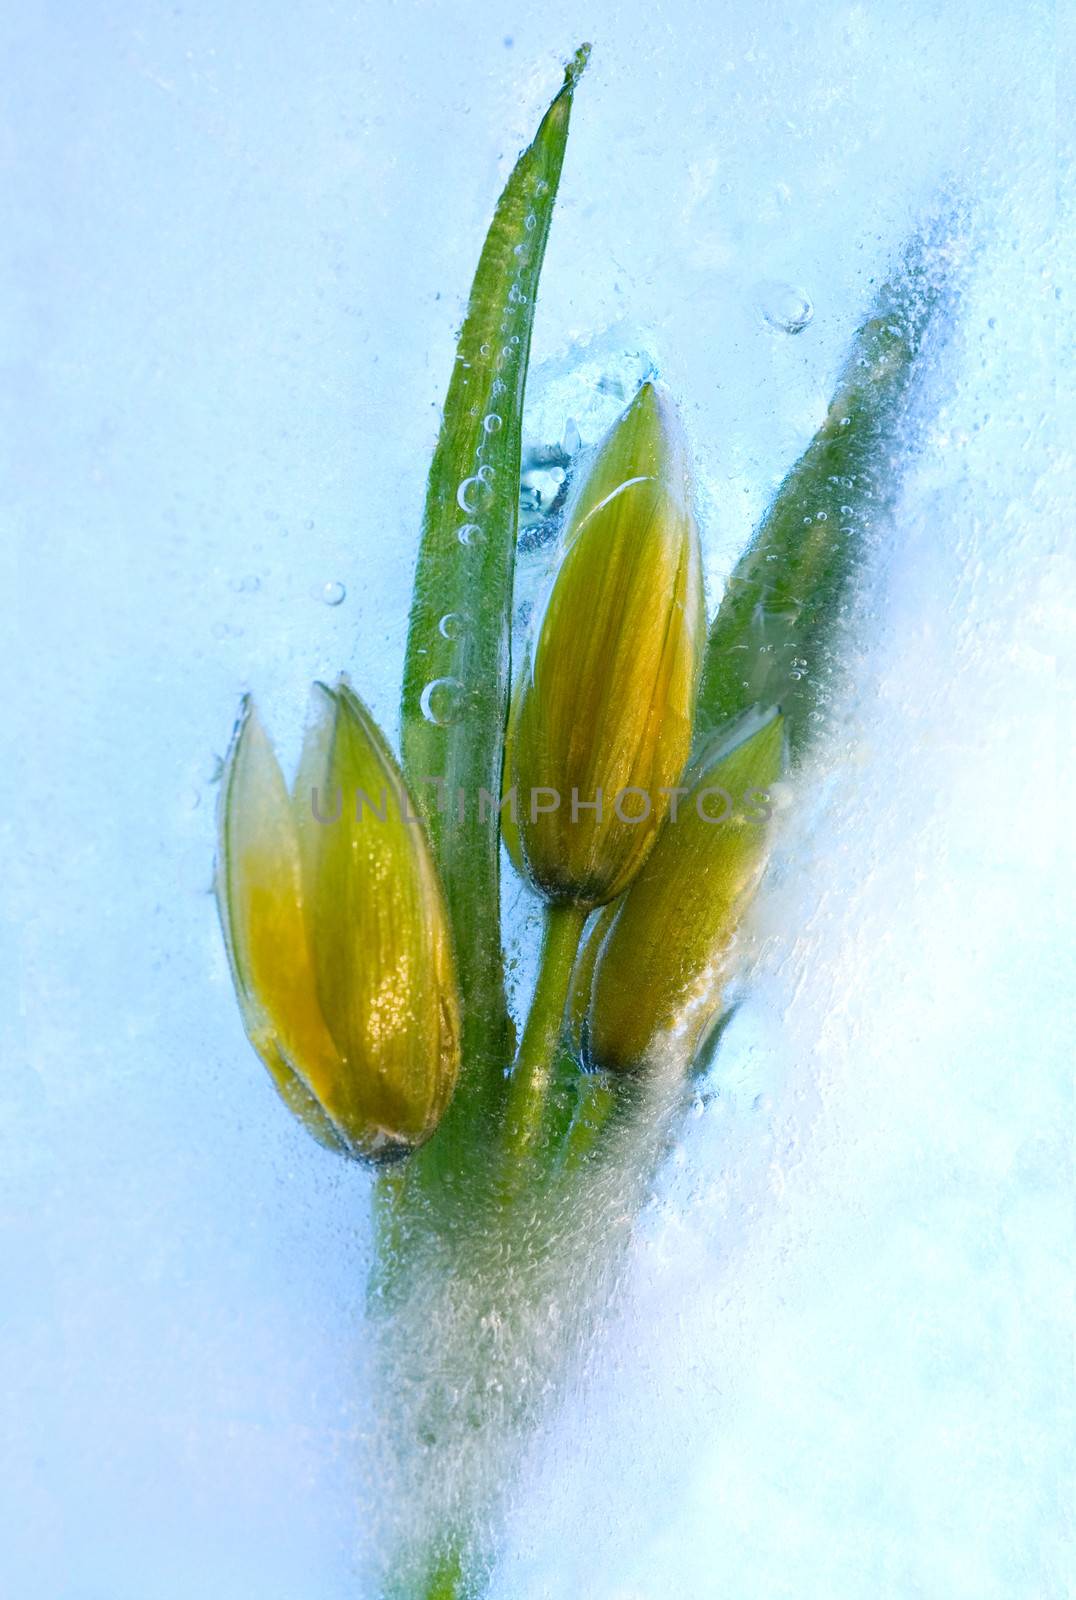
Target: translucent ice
x,y
237,256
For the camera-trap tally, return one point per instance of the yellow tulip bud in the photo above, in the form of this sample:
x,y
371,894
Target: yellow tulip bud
x,y
602,726
337,933
658,973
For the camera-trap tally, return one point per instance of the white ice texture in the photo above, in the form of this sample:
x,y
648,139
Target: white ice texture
x,y
237,241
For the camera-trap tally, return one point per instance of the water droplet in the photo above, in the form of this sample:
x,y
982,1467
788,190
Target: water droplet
x,y
492,423
474,494
450,625
806,522
821,516
846,422
442,701
846,511
484,350
469,533
333,593
785,308
541,187
530,221
486,475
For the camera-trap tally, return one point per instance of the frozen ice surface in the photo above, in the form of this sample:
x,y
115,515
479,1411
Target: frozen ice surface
x,y
237,242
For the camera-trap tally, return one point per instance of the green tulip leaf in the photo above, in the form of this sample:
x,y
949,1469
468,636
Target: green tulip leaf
x,y
456,672
773,639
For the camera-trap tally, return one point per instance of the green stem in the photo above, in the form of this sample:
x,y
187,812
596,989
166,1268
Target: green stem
x,y
529,1083
597,1102
447,1581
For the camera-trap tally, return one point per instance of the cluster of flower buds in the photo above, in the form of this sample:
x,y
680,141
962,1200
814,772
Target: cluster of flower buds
x,y
337,931
602,725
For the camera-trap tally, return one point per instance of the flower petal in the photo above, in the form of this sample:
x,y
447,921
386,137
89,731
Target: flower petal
x,y
380,936
260,903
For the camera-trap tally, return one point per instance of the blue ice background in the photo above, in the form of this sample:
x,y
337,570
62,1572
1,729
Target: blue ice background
x,y
236,243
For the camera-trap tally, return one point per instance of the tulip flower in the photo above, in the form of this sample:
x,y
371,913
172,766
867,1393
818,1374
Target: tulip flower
x,y
602,726
365,944
336,932
658,972
602,720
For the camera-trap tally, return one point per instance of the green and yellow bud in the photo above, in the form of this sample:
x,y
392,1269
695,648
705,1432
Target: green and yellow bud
x,y
657,977
337,933
602,724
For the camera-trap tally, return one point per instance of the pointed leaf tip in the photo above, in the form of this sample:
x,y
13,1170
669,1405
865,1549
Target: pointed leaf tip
x,y
576,66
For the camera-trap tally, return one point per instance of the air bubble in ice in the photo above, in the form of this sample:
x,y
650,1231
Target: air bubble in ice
x,y
474,494
785,308
441,701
